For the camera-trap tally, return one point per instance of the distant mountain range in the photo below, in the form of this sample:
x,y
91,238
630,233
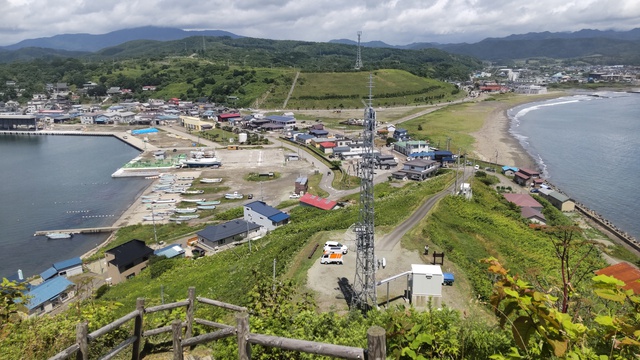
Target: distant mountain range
x,y
591,46
91,43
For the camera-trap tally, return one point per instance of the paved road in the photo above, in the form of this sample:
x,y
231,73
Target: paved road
x,y
389,241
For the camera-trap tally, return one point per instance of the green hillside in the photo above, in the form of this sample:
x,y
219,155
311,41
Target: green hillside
x,y
350,90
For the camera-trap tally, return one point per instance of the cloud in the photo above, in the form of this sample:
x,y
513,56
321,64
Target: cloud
x,y
392,21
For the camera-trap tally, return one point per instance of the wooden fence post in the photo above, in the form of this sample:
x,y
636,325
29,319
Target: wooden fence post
x,y
137,330
82,330
176,326
242,329
376,343
190,311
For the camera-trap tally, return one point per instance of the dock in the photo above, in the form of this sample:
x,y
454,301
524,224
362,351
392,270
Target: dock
x,y
78,231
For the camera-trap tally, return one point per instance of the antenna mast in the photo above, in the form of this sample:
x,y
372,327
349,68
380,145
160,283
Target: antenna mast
x,y
364,296
359,55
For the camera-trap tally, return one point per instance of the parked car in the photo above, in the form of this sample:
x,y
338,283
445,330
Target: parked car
x,y
334,246
294,196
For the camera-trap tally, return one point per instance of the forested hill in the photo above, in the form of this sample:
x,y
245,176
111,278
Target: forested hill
x,y
265,53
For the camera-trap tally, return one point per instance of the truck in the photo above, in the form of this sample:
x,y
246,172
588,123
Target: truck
x,y
331,258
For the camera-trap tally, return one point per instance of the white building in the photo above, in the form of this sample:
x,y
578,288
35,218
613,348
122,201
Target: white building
x,y
426,285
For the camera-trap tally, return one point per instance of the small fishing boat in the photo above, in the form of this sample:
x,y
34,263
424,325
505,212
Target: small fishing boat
x,y
193,192
233,196
194,200
211,202
186,178
210,180
185,210
164,201
206,207
58,235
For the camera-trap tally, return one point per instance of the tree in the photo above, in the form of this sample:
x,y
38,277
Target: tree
x,y
571,249
12,309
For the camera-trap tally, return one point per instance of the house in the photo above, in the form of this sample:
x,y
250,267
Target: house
x,y
149,88
418,169
523,200
264,215
533,215
230,117
113,91
624,272
558,200
227,233
127,260
524,177
509,170
409,147
318,132
401,134
49,295
66,268
301,186
327,147
318,202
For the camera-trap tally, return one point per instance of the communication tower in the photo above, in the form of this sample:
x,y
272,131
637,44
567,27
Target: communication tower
x,y
359,55
364,286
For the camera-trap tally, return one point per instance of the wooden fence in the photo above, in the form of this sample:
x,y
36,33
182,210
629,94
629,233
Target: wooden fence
x,y
182,334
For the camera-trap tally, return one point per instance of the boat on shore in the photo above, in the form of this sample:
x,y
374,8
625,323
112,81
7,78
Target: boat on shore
x,y
185,210
193,192
233,196
164,201
186,178
206,207
210,180
207,203
58,235
194,200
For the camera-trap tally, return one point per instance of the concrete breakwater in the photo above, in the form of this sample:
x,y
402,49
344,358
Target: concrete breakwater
x,y
603,222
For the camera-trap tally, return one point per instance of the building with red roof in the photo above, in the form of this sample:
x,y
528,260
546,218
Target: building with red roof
x,y
327,147
317,201
624,272
523,200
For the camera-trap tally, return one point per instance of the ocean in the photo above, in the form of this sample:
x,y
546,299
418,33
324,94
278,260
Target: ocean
x,y
586,145
59,182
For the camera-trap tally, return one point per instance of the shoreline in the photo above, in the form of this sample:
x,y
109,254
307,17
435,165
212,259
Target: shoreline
x,y
495,135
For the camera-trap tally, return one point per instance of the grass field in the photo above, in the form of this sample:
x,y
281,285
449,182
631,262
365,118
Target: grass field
x,y
350,90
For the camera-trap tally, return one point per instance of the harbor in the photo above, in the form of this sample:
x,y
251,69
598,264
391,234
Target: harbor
x,y
92,230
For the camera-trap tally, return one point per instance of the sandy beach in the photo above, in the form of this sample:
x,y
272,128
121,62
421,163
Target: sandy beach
x,y
494,135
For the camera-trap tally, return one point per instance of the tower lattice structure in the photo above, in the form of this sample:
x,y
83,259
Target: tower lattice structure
x,y
359,55
364,286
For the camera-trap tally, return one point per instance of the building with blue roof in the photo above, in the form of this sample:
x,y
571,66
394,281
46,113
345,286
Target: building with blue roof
x,y
509,170
49,295
227,233
287,122
170,252
66,268
264,215
304,138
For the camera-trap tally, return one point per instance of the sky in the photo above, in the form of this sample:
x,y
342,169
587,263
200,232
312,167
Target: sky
x,y
395,22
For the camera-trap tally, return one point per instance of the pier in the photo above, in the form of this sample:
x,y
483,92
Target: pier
x,y
78,231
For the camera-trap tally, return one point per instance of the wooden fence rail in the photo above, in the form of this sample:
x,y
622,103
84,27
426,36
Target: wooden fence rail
x,y
182,335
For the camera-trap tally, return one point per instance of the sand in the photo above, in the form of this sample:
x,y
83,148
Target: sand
x,y
494,139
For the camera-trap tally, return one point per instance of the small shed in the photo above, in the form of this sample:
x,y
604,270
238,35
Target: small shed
x,y
426,284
